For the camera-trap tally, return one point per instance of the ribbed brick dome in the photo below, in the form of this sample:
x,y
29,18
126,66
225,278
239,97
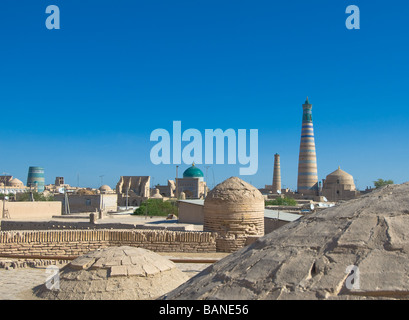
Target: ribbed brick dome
x,y
235,210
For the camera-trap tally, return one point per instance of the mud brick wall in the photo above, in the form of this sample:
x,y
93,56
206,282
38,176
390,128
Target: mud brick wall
x,y
10,225
234,225
78,242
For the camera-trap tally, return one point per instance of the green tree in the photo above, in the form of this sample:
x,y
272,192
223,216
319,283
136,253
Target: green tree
x,y
10,196
380,183
156,207
286,201
36,195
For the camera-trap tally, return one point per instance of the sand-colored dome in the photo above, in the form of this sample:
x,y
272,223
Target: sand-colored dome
x,y
235,210
157,194
16,183
116,273
233,191
105,189
340,177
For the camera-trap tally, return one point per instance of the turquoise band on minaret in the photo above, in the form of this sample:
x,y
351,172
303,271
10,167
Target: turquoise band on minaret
x,y
36,179
307,164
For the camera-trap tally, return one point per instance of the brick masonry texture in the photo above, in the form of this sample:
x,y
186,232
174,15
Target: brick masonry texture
x,y
77,242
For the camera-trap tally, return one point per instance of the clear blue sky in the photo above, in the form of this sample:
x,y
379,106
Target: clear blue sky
x,y
84,99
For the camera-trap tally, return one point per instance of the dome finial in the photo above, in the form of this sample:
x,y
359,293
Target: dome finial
x,y
307,101
193,164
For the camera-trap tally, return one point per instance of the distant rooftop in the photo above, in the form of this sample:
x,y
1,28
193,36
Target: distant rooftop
x,y
198,201
281,215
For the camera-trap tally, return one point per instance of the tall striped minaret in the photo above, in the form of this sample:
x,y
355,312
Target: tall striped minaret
x,y
307,163
276,174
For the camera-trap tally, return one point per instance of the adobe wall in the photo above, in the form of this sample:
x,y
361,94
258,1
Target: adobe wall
x,y
13,225
89,203
68,243
190,213
31,210
272,224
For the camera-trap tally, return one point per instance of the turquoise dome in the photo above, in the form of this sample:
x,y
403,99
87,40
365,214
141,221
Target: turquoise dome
x,y
193,172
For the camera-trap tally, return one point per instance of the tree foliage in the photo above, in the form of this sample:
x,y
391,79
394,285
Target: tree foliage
x,y
286,201
10,196
156,207
38,196
380,183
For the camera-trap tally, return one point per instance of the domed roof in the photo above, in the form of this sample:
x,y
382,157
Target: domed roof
x,y
16,182
105,187
339,173
193,172
116,273
157,194
234,190
340,177
234,210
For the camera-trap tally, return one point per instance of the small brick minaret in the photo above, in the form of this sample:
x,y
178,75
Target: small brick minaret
x,y
277,174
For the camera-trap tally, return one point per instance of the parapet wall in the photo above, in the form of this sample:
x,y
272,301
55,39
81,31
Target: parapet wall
x,y
11,225
67,243
31,210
